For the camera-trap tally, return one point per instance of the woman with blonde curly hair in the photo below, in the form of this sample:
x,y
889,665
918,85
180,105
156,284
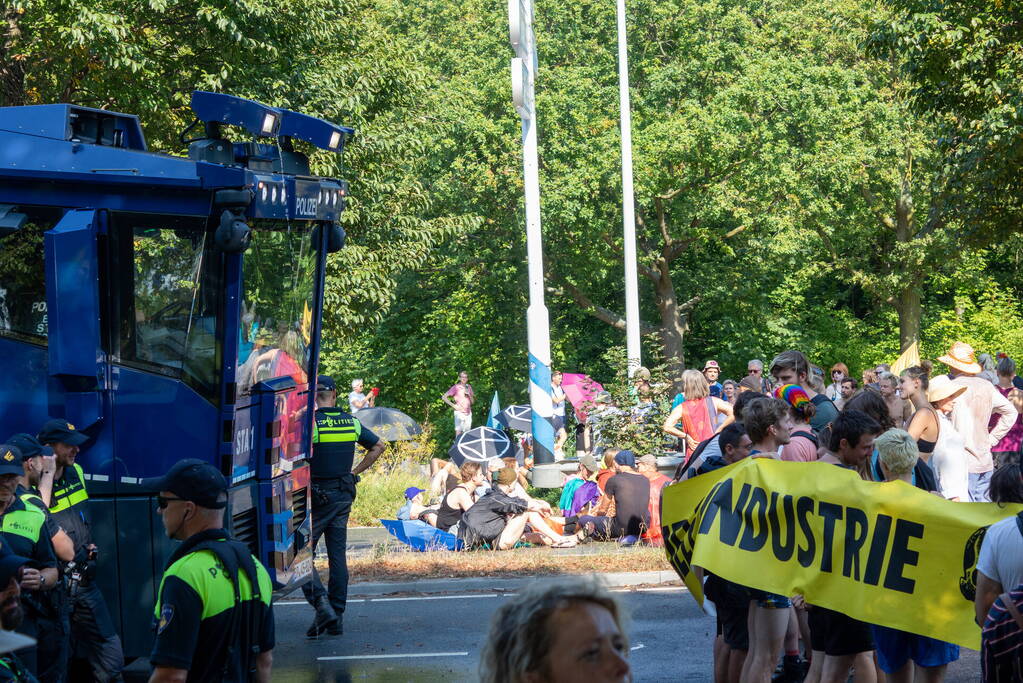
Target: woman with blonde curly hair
x,y
557,632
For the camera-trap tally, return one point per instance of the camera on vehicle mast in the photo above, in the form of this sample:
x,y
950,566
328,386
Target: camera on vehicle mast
x,y
233,234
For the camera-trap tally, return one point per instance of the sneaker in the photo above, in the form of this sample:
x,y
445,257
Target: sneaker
x,y
628,541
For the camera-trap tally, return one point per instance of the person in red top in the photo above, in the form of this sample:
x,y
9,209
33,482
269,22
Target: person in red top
x,y
647,466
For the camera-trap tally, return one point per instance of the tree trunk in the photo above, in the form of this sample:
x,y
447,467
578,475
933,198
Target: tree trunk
x,y
673,328
909,308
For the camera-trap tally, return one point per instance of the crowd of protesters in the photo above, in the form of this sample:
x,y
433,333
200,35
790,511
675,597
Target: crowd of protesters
x,y
955,433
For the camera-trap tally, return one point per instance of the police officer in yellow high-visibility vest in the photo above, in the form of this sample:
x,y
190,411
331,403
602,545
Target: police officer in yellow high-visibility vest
x,y
93,636
23,528
213,618
335,434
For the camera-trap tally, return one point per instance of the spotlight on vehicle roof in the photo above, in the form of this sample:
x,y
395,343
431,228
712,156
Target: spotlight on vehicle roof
x,y
255,117
318,132
11,220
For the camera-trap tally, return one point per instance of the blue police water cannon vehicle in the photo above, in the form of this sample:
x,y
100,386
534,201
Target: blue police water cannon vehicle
x,y
169,307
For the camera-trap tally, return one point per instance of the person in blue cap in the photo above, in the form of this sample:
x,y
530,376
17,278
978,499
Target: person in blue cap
x,y
334,476
13,569
22,528
214,618
53,629
413,506
94,637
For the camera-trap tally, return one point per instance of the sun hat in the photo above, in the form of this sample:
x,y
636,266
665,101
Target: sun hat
x,y
648,459
961,357
711,364
589,462
941,387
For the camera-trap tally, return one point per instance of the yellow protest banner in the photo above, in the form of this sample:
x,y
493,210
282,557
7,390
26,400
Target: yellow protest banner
x,y
884,553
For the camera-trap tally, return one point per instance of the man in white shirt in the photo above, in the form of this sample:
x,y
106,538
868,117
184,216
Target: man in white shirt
x,y
358,400
972,414
558,401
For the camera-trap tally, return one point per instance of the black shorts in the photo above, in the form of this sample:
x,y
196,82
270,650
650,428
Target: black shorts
x,y
838,635
732,603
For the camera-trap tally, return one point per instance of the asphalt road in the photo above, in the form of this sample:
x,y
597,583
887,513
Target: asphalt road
x,y
437,638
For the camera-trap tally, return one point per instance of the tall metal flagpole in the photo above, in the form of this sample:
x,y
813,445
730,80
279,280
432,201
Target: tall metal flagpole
x,y
632,343
523,67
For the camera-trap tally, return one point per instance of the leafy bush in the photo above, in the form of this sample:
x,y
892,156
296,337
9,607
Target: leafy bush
x,y
382,488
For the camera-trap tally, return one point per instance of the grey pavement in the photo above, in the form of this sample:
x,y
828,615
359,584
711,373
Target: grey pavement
x,y
430,636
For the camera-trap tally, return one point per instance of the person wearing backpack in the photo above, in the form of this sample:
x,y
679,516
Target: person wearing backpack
x,y
999,590
700,415
802,445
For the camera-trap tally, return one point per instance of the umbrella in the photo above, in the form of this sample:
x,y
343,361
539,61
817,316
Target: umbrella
x,y
580,391
519,418
389,424
479,445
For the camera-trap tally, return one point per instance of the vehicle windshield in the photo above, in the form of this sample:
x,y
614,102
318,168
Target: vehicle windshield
x,y
278,285
23,277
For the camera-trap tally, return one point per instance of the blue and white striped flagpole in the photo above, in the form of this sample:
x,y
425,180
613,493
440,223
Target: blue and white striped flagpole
x,y
520,15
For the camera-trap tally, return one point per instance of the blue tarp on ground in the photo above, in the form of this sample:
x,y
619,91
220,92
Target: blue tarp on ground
x,y
421,536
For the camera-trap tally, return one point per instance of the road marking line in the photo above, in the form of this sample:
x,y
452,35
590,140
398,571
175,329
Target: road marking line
x,y
440,597
406,656
637,647
303,602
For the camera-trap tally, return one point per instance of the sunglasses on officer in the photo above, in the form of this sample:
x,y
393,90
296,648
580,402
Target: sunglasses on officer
x,y
162,502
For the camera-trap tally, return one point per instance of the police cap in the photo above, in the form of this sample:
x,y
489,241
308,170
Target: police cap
x,y
61,431
29,446
325,383
10,461
192,480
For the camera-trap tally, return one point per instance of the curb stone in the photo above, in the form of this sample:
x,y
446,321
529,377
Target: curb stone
x,y
613,580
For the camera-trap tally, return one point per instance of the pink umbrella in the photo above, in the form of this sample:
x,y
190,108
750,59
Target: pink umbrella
x,y
580,390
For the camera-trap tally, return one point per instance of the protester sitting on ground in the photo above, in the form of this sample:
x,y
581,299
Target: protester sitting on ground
x,y
647,466
587,468
950,459
1010,444
973,415
608,471
791,367
499,519
700,415
454,504
802,445
840,642
630,494
557,632
768,422
901,654
413,506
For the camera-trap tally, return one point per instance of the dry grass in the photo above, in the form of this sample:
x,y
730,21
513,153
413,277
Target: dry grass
x,y
386,564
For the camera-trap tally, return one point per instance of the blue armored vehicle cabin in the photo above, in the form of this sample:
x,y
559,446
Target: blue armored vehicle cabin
x,y
169,307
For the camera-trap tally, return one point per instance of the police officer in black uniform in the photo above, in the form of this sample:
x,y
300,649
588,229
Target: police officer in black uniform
x,y
23,529
335,434
12,571
94,637
53,629
213,617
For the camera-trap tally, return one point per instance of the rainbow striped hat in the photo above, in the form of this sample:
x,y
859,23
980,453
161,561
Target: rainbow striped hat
x,y
793,394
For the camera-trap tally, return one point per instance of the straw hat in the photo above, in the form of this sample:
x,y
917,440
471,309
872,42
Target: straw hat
x,y
961,357
941,388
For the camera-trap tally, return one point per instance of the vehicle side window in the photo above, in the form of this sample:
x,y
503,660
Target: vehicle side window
x,y
23,278
168,296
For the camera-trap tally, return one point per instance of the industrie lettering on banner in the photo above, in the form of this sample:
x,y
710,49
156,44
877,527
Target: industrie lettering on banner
x,y
884,553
